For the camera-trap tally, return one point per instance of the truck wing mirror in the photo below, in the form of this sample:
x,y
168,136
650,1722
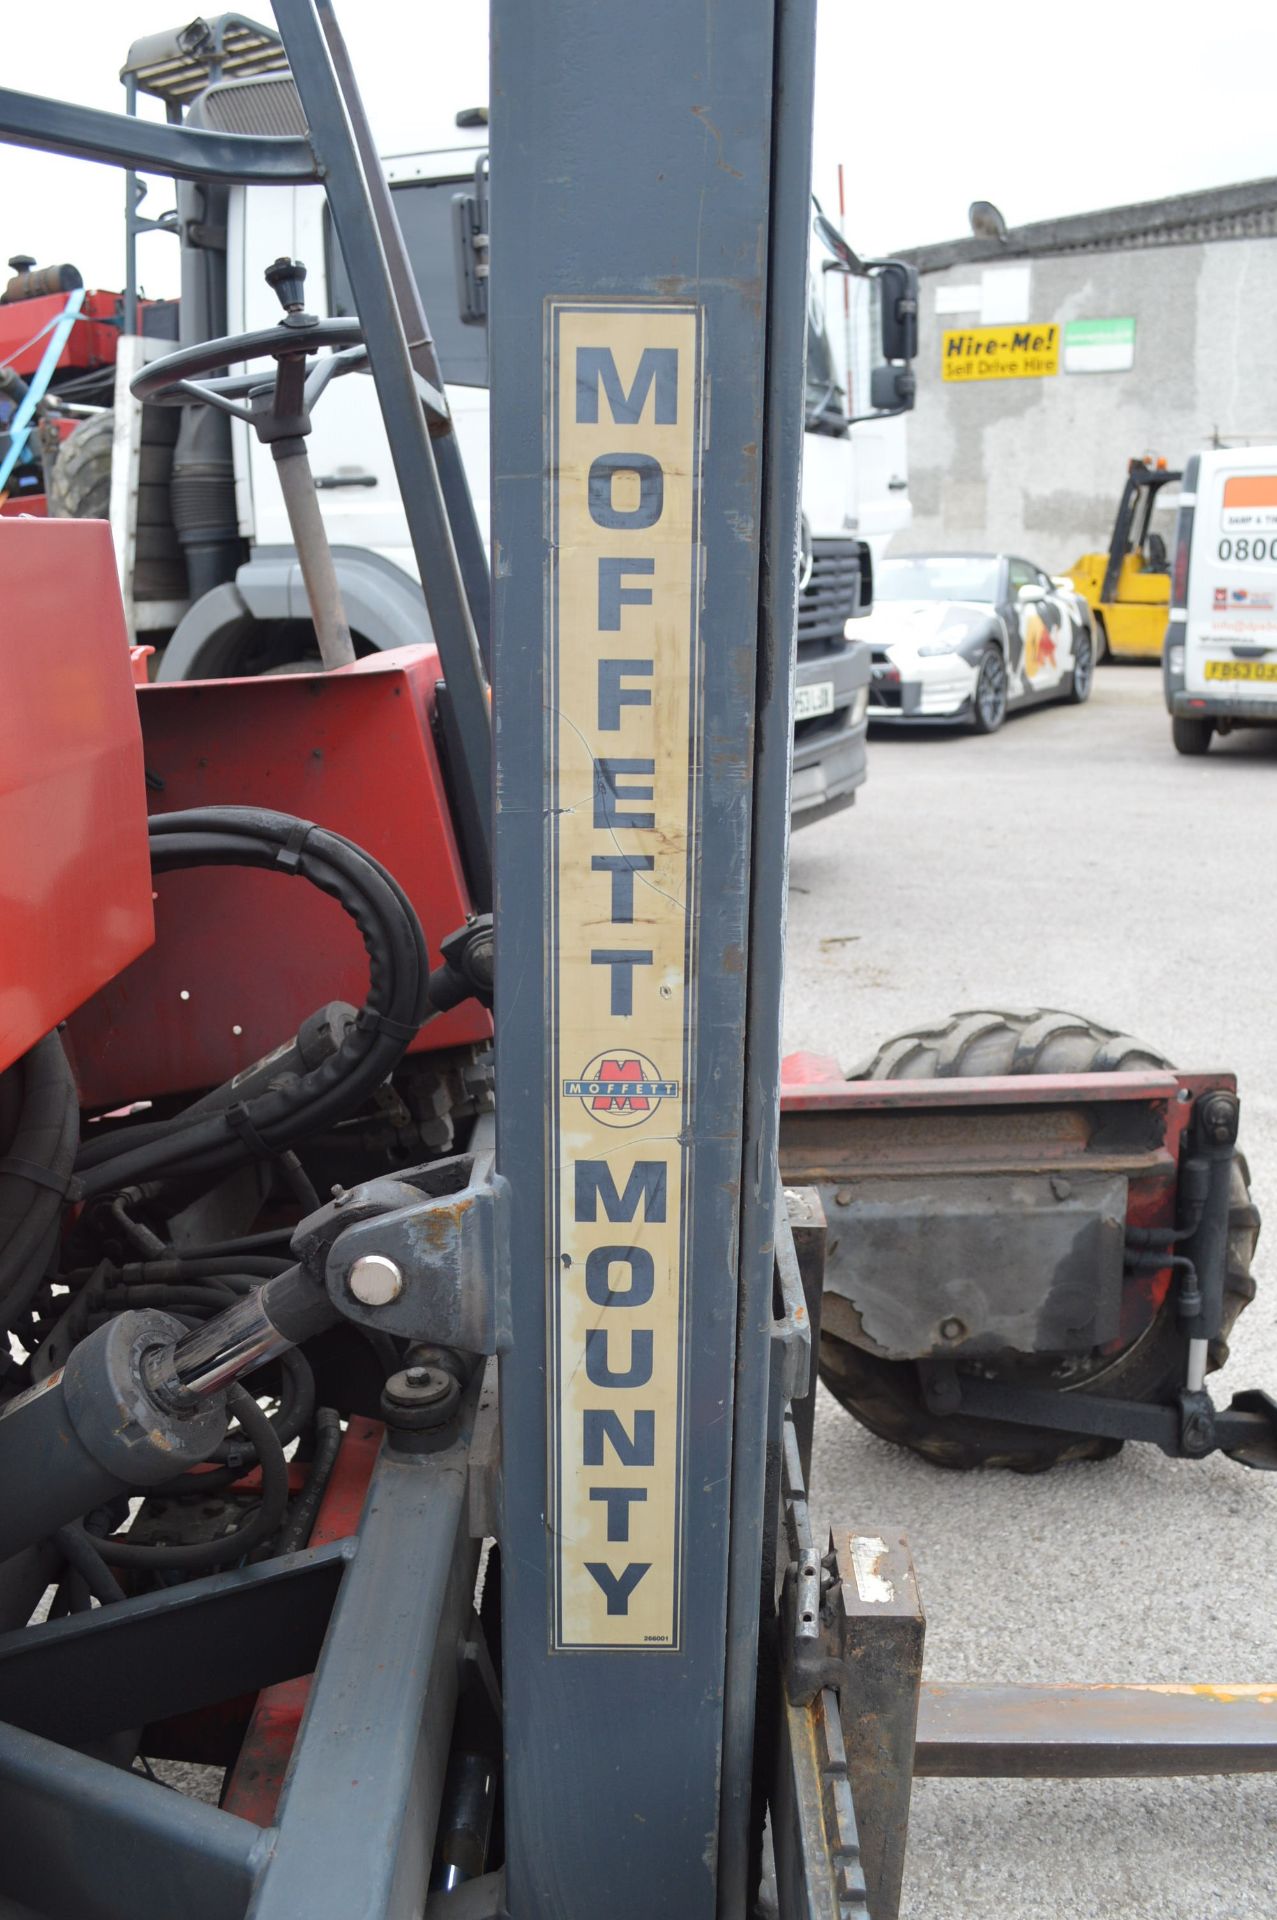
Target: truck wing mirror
x,y
892,389
898,294
470,246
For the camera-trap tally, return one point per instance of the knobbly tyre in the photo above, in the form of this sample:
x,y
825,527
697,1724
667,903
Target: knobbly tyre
x,y
299,1324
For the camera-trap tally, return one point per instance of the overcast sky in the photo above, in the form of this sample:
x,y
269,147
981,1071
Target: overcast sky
x,y
1044,110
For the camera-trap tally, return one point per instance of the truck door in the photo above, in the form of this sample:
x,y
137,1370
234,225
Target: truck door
x,y
349,453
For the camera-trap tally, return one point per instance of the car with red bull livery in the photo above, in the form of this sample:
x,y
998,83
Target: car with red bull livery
x,y
971,637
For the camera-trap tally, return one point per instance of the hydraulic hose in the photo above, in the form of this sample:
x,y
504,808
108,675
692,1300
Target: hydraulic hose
x,y
272,1122
35,1173
82,1556
262,1523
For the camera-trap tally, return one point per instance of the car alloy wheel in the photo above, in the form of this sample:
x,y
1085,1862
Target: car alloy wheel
x,y
990,692
1083,669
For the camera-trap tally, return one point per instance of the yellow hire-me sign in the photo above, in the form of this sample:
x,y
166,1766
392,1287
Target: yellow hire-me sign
x,y
1000,353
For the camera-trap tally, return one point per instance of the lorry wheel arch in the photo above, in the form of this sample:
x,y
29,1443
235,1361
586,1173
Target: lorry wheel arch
x,y
217,636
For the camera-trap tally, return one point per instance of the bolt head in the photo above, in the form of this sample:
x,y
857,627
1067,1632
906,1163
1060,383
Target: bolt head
x,y
953,1329
375,1280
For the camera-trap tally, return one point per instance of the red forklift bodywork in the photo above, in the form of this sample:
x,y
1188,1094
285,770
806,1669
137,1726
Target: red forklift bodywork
x,y
351,750
77,876
834,1131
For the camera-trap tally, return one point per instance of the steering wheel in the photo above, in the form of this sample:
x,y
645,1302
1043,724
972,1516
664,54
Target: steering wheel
x,y
184,376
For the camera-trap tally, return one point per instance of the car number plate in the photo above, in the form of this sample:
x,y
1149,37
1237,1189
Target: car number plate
x,y
809,701
1241,669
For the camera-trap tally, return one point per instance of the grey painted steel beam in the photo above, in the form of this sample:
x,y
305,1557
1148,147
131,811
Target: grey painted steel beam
x,y
472,555
1094,1731
632,213
95,1841
790,190
329,118
151,146
171,1651
357,1820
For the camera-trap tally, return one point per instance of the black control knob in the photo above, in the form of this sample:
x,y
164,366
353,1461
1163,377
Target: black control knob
x,y
288,278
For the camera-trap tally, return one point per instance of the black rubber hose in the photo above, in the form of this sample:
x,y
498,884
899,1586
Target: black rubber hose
x,y
396,1006
48,1090
36,1171
247,1243
82,1555
296,1530
25,1260
262,1523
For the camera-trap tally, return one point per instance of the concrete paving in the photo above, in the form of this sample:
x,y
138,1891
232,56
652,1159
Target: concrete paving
x,y
1072,860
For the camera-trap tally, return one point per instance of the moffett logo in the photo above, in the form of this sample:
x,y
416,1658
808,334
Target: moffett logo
x,y
620,1089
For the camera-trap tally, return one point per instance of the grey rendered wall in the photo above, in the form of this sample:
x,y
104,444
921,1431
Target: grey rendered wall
x,y
1035,466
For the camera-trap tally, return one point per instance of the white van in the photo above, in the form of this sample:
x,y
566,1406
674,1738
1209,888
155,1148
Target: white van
x,y
1219,664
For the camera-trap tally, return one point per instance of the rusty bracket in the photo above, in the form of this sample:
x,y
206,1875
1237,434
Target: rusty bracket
x,y
443,1229
852,1626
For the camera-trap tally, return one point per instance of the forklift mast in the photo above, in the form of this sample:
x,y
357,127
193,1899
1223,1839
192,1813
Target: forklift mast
x,y
649,231
1135,509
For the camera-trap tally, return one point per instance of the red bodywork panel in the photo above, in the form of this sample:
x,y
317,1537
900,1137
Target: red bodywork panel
x,y
92,341
242,957
833,1129
77,872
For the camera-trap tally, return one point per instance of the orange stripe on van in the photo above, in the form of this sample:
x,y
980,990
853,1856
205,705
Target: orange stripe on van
x,y
1251,490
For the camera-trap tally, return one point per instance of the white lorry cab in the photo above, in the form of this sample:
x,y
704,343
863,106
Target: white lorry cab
x,y
245,609
1219,664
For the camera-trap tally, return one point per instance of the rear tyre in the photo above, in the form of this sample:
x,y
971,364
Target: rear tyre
x,y
1083,675
1191,736
80,488
989,701
885,1395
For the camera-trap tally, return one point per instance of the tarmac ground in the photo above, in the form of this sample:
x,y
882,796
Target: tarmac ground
x,y
1072,860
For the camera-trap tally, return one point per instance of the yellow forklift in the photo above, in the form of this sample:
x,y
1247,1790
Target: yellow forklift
x,y
1128,589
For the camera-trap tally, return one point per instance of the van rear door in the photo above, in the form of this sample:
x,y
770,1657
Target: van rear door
x,y
1231,649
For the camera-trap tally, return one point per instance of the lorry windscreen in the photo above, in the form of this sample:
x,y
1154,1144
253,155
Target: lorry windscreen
x,y
425,214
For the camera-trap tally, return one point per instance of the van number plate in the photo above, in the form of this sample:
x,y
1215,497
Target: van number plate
x,y
1241,669
810,701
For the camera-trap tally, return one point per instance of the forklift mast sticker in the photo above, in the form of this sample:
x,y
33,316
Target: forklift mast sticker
x,y
1000,353
622,811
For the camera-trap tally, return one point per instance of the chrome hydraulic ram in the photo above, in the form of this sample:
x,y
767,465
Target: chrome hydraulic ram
x,y
139,1401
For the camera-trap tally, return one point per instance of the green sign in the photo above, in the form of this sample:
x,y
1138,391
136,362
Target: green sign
x,y
1099,346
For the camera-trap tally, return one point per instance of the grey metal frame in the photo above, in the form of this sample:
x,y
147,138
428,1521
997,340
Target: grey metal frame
x,y
381,1617
628,1772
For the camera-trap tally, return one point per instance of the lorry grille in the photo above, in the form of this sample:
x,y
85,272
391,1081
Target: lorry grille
x,y
836,591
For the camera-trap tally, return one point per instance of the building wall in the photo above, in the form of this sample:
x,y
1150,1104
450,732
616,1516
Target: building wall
x,y
1035,465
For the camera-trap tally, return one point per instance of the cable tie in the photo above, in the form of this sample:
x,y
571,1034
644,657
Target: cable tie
x,y
240,1123
288,856
63,1184
368,1020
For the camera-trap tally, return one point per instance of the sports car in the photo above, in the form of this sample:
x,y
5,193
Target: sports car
x,y
970,636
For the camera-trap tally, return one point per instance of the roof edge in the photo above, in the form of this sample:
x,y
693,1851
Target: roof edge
x,y
1173,221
